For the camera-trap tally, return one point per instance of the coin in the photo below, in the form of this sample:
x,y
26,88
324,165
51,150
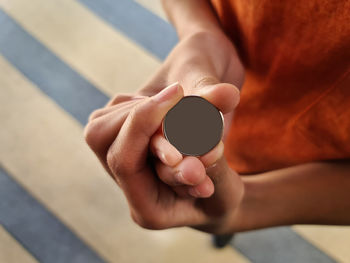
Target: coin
x,y
193,126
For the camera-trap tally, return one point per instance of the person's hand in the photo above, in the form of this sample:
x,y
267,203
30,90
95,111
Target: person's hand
x,y
121,136
202,63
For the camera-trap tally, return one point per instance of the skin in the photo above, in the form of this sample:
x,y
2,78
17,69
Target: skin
x,y
165,189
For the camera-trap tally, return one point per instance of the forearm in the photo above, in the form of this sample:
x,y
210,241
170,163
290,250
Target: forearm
x,y
314,193
190,16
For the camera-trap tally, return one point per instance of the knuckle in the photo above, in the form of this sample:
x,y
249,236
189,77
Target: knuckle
x,y
153,145
154,139
162,172
138,115
115,163
204,81
118,98
136,112
168,175
148,221
95,114
91,134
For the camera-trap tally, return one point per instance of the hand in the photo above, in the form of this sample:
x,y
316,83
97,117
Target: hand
x,y
153,204
202,63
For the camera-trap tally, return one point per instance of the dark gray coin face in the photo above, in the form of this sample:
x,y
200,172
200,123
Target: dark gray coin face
x,y
194,126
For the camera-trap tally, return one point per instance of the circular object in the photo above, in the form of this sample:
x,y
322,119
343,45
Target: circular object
x,y
194,126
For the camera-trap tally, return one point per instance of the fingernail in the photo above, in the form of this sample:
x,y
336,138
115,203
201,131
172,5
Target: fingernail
x,y
194,192
212,166
138,97
237,96
179,177
162,157
167,93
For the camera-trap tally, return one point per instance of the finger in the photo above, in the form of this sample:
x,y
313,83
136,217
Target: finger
x,y
100,132
213,155
227,124
190,171
164,150
224,96
103,111
224,179
202,185
127,156
122,97
182,191
203,190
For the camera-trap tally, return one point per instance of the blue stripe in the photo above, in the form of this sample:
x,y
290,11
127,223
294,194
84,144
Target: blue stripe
x,y
279,244
142,26
66,87
40,232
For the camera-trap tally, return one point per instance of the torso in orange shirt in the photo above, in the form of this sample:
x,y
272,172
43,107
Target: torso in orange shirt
x,y
295,103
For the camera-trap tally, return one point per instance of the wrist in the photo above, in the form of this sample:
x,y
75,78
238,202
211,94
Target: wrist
x,y
205,35
189,64
293,196
243,218
191,16
263,204
200,28
232,221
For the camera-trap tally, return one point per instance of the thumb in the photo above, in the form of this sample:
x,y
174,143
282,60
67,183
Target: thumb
x,y
228,187
224,96
215,163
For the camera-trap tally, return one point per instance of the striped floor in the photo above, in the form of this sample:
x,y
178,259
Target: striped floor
x,y
59,60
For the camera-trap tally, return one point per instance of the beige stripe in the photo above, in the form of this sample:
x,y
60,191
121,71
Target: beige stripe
x,y
43,148
333,240
154,6
104,56
11,251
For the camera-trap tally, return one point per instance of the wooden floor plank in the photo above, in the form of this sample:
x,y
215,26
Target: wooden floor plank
x,y
100,53
11,251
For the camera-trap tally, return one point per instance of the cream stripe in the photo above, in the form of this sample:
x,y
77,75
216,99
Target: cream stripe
x,y
43,148
104,56
333,240
11,251
154,6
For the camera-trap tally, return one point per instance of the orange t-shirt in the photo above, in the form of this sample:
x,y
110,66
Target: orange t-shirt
x,y
295,102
